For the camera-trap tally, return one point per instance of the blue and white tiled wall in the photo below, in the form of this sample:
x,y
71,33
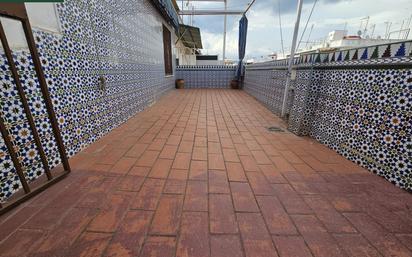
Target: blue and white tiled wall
x,y
206,76
120,40
267,84
358,102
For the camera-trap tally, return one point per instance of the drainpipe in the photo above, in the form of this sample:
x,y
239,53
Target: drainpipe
x,y
224,34
291,57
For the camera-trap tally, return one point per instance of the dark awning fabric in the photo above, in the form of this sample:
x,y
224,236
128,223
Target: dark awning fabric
x,y
242,44
190,36
168,11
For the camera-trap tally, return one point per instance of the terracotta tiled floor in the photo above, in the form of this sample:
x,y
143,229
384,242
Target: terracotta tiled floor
x,y
197,174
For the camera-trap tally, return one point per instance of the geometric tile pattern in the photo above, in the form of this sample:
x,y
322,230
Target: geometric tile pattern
x,y
358,102
267,84
119,40
206,76
364,114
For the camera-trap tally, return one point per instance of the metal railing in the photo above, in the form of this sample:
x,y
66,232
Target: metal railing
x,y
18,12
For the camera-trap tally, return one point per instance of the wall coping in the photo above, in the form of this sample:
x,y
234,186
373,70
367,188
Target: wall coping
x,y
390,53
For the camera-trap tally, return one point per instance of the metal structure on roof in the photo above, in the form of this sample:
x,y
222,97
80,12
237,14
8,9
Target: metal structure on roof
x,y
211,12
190,36
223,11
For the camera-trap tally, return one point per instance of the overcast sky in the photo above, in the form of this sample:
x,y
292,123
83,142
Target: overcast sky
x,y
264,33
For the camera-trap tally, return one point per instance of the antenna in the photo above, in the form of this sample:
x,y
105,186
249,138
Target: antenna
x,y
365,19
280,27
400,31
388,27
373,26
310,33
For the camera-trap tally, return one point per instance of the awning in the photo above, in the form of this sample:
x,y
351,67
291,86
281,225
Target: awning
x,y
168,11
190,36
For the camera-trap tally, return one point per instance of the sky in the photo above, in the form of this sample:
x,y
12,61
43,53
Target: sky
x,y
264,30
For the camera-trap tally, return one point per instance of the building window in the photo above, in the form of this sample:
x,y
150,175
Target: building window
x,y
167,47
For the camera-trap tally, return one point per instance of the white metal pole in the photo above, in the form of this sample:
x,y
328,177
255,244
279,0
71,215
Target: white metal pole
x,y
224,34
291,57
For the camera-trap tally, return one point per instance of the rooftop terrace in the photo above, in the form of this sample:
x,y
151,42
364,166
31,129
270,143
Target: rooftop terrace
x,y
199,174
101,156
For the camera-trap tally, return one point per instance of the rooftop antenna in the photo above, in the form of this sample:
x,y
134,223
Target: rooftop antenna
x,y
366,25
307,22
408,27
281,33
387,30
400,31
373,26
409,21
310,33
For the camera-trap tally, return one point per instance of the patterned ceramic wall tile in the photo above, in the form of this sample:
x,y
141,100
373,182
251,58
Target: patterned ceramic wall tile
x,y
358,102
365,115
267,84
118,40
9,182
206,76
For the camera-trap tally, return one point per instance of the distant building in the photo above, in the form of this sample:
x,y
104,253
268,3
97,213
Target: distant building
x,y
273,56
207,60
339,39
188,45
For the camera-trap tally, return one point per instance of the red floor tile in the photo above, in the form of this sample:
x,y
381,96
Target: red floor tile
x,y
194,236
291,246
90,244
196,196
159,247
255,237
222,214
225,245
167,217
277,220
243,198
198,175
129,238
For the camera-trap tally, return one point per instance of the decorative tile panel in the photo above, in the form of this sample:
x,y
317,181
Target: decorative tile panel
x,y
267,84
357,101
206,76
118,40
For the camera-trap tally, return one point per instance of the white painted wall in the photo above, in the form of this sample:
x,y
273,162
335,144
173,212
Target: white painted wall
x,y
185,55
209,62
14,33
42,16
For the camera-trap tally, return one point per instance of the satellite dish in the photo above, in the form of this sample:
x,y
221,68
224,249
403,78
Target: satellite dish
x,y
359,33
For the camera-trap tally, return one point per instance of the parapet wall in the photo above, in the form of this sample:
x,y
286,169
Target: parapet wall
x,y
357,101
206,76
